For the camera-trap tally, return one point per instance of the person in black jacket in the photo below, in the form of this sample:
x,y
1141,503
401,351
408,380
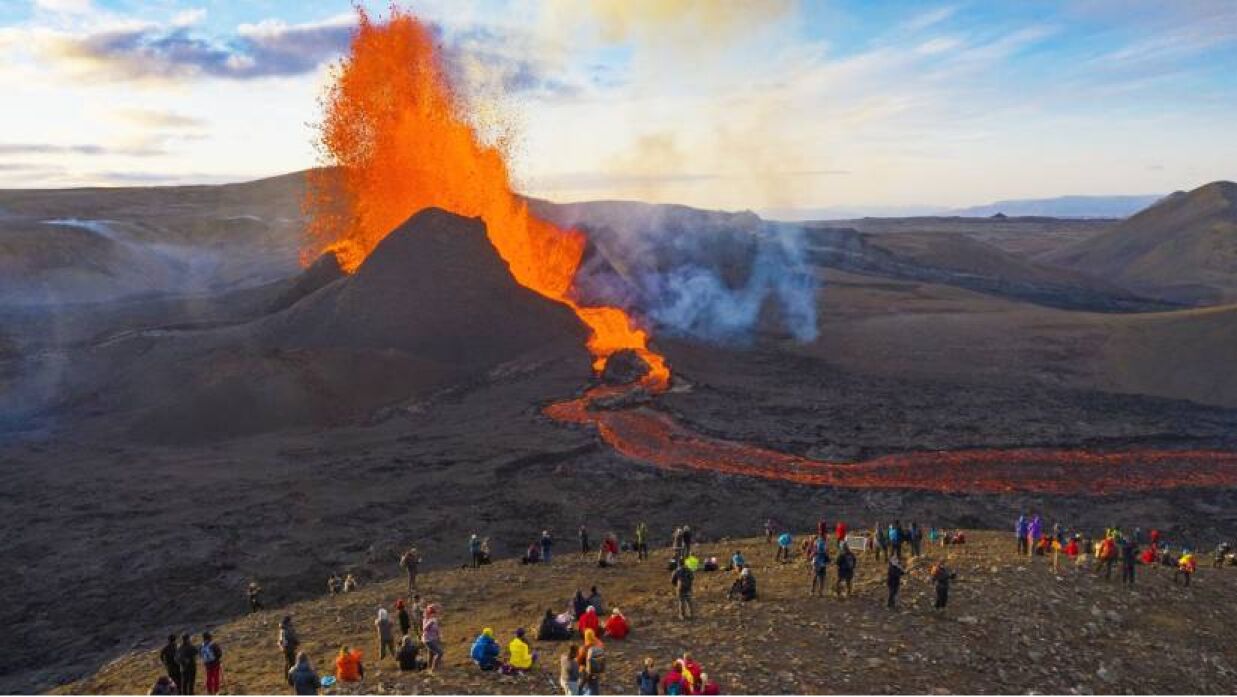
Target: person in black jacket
x,y
893,579
168,657
187,659
407,654
302,676
941,576
846,570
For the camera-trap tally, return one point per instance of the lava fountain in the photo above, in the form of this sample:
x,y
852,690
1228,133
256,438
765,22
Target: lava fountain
x,y
397,139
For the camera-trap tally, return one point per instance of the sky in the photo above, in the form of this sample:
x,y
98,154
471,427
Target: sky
x,y
723,104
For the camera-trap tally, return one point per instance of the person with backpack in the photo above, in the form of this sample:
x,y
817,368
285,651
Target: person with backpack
x,y
569,671
302,676
846,570
674,683
594,664
407,654
820,566
547,545
682,580
212,662
187,659
784,542
168,657
647,679
386,638
896,538
411,561
941,575
289,642
893,579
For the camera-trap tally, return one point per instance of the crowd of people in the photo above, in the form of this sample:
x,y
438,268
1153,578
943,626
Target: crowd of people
x,y
409,633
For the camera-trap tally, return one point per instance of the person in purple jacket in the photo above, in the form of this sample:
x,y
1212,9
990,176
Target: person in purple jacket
x,y
1020,532
1033,532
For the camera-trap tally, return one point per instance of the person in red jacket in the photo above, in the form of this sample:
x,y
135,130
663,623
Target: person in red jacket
x,y
709,686
616,626
589,620
691,666
672,683
840,532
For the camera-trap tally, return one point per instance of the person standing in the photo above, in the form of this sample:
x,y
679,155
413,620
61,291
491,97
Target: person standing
x,y
168,657
302,677
916,538
839,533
212,662
647,679
1129,559
820,566
682,580
880,542
896,539
687,540
941,576
846,570
386,639
411,561
254,592
1020,533
1034,530
642,541
431,636
584,546
474,551
187,659
769,530
401,614
569,671
893,579
289,643
784,542
547,545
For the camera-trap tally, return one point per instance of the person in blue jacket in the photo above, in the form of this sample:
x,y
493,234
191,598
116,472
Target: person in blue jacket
x,y
485,650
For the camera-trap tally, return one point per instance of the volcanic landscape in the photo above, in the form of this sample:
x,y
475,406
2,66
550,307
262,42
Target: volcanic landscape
x,y
204,385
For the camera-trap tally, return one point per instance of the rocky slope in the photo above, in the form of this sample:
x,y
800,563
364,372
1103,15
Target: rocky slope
x,y
1013,626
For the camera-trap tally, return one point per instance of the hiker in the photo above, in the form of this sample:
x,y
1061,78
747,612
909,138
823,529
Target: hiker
x,y
289,642
673,683
594,600
416,615
532,555
584,546
784,541
407,654
335,584
401,614
896,538
647,679
431,636
822,528
687,540
302,676
547,544
474,551
769,531
1020,532
594,664
941,575
386,639
642,541
1186,566
707,686
893,579
682,579
1221,554
348,665
881,548
916,538
617,627
588,621
839,532
253,592
350,584
737,561
569,671
1107,556
846,570
744,586
1129,558
484,651
552,629
168,657
691,668
579,604
607,552
187,660
519,656
820,566
212,662
163,686
411,562
676,543
1034,530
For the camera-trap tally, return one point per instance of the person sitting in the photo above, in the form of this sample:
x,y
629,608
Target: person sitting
x,y
484,554
520,657
588,620
552,629
485,650
302,676
594,599
348,665
616,626
737,562
163,686
708,686
744,587
533,555
710,564
578,605
407,654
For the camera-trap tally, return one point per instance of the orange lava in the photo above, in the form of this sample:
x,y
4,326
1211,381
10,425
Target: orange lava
x,y
397,137
652,436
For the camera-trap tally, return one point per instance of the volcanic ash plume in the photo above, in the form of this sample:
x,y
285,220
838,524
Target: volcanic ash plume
x,y
400,141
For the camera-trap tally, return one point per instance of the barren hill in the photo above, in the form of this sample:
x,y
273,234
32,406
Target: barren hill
x,y
1183,248
1012,626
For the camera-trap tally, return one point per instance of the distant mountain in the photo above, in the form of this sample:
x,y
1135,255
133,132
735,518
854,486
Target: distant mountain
x,y
1063,207
1183,248
848,212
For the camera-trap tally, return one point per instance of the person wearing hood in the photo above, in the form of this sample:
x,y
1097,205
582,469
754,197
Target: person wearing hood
x,y
431,636
616,626
348,665
187,659
673,683
893,579
519,656
302,676
289,642
386,637
820,567
168,658
484,651
846,570
407,654
589,620
163,686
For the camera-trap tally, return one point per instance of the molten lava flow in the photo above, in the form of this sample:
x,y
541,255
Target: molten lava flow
x,y
395,132
652,436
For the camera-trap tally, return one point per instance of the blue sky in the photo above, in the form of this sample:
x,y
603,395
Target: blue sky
x,y
723,104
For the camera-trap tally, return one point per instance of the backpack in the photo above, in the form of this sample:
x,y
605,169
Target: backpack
x,y
596,661
674,688
211,652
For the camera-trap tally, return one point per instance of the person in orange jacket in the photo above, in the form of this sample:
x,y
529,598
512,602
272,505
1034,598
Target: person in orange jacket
x,y
616,626
589,620
348,665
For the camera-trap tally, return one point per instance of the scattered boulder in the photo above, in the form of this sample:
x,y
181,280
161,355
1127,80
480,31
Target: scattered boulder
x,y
624,367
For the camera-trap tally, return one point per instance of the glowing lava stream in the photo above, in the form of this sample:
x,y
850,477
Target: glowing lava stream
x,y
655,437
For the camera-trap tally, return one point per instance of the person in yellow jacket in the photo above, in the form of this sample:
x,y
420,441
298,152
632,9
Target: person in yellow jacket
x,y
1186,566
521,657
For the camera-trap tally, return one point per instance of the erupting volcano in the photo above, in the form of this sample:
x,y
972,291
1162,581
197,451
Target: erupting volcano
x,y
398,139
